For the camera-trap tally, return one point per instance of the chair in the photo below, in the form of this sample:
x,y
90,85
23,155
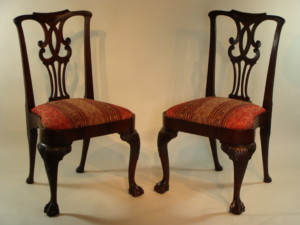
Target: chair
x,y
62,119
231,120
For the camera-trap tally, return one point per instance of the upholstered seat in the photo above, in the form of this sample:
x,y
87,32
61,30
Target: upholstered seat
x,y
79,112
218,112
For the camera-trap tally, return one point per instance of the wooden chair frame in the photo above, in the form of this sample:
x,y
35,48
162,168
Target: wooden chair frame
x,y
55,144
238,144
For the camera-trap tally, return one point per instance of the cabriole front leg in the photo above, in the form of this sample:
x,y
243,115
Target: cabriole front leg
x,y
133,140
51,157
162,143
240,155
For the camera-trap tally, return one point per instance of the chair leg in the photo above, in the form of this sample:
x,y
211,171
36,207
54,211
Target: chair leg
x,y
240,155
213,146
85,148
265,137
133,140
32,140
162,142
51,157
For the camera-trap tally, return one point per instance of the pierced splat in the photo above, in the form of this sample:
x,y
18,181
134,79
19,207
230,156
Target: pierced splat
x,y
243,53
54,58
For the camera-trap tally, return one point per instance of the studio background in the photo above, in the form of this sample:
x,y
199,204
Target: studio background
x,y
148,56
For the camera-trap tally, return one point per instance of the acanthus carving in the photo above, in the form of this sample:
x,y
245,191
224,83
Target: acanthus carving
x,y
239,153
164,137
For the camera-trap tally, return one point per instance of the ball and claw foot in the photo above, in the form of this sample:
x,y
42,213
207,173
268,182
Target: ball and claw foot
x,y
51,209
136,190
237,207
161,187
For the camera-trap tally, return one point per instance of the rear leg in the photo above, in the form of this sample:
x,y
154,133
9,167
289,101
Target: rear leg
x,y
32,141
85,148
213,146
265,137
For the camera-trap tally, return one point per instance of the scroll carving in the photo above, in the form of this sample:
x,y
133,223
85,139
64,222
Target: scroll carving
x,y
243,53
54,58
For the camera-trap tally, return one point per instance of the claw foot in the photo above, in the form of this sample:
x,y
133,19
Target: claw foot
x,y
162,187
136,190
237,207
51,209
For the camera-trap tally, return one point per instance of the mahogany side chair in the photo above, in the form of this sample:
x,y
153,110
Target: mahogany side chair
x,y
62,119
233,119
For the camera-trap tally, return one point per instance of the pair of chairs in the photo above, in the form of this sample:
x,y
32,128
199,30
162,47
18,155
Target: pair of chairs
x,y
63,119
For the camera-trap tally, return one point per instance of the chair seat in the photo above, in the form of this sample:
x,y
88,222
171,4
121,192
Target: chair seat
x,y
78,112
218,112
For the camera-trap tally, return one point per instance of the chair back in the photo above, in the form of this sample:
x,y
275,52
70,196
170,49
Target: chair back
x,y
244,52
55,52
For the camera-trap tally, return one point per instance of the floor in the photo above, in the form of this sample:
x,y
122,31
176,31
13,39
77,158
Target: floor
x,y
198,194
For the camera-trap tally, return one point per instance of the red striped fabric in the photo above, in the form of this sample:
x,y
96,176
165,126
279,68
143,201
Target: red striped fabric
x,y
218,112
79,112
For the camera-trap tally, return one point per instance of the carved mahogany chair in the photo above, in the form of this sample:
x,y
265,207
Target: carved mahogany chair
x,y
233,119
63,119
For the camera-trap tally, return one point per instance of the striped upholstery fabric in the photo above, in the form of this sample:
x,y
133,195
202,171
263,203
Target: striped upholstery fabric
x,y
79,112
217,112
